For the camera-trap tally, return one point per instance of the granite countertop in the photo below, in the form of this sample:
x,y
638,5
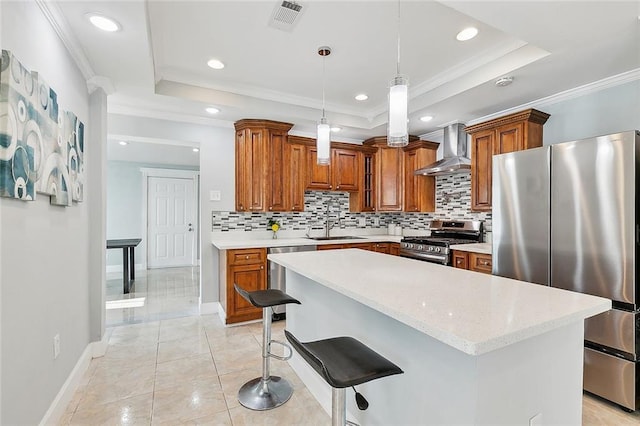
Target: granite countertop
x,y
484,248
475,313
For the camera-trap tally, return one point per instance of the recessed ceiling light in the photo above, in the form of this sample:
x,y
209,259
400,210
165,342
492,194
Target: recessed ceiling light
x,y
336,129
102,22
504,81
361,97
196,150
212,110
426,118
216,64
123,143
467,34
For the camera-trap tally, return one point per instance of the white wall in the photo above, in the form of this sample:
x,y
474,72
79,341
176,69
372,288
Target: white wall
x,y
44,250
610,110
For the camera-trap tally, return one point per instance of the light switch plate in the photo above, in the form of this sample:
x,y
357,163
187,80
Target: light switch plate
x,y
214,195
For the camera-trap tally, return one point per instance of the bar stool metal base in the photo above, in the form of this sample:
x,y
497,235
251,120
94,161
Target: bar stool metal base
x,y
258,394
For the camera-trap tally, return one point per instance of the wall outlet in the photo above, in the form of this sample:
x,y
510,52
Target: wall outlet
x,y
215,195
376,221
56,346
536,420
362,222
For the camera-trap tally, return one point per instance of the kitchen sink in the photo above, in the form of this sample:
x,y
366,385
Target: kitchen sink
x,y
347,237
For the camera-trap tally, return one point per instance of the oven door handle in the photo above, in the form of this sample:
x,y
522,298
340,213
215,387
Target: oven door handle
x,y
424,256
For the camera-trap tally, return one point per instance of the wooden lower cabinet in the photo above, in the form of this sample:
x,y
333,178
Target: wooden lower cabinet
x,y
460,259
386,248
248,269
478,262
380,247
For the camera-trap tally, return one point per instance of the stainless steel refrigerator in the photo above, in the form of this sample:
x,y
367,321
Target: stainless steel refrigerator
x,y
566,215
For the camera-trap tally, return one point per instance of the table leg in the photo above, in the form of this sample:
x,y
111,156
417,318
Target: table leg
x,y
125,271
132,263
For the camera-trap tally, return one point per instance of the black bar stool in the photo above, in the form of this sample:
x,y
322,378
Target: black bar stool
x,y
343,362
266,392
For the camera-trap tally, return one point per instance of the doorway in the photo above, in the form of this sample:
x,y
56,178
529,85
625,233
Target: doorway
x,y
171,217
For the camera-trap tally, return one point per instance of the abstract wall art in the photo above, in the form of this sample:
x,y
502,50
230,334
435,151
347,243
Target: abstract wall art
x,y
41,145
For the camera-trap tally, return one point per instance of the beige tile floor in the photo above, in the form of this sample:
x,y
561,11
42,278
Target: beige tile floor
x,y
184,371
168,293
163,370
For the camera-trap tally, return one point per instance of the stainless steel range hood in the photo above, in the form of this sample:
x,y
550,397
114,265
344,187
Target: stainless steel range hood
x,y
455,159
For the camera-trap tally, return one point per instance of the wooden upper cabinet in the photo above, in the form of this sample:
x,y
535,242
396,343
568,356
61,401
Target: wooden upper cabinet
x,y
277,197
318,176
419,191
396,187
342,174
261,178
509,138
514,132
481,165
345,170
296,161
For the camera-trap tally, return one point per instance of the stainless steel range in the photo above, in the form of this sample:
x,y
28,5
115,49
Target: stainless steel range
x,y
444,233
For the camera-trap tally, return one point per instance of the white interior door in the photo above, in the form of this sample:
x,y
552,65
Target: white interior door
x,y
170,219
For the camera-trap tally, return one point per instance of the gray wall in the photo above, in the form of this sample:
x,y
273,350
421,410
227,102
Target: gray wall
x,y
125,205
217,172
44,250
610,110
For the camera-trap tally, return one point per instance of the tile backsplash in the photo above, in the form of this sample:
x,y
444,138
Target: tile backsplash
x,y
453,201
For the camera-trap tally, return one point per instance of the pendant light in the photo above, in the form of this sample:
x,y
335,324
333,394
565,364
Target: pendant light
x,y
323,139
397,128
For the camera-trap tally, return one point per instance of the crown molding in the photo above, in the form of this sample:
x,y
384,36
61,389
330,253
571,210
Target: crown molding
x,y
576,92
98,81
139,111
52,12
251,91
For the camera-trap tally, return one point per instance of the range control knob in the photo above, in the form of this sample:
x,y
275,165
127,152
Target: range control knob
x,y
419,247
438,249
430,248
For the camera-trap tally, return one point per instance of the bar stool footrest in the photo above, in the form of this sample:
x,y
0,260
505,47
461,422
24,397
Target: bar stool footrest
x,y
261,395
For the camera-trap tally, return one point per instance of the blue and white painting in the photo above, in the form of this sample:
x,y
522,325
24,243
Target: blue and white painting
x,y
18,129
41,145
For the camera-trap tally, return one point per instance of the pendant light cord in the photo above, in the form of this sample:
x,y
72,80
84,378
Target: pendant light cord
x,y
323,63
398,63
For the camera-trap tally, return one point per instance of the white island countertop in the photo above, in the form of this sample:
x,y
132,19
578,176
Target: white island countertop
x,y
472,312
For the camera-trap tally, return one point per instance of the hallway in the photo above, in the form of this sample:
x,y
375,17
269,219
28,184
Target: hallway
x,y
157,294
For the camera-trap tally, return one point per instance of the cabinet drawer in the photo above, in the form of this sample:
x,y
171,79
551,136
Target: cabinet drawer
x,y
247,256
480,262
460,259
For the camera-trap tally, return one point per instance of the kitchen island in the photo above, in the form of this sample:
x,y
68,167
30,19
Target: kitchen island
x,y
475,348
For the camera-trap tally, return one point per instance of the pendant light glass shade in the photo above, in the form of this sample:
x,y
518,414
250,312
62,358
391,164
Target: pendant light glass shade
x,y
323,142
323,137
397,130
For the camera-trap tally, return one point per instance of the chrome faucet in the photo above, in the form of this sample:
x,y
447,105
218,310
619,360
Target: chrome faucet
x,y
328,222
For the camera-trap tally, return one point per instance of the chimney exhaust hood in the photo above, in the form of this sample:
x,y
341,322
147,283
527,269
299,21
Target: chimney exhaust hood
x,y
455,159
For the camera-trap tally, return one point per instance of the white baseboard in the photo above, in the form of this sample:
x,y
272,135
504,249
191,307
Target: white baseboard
x,y
118,268
61,401
210,308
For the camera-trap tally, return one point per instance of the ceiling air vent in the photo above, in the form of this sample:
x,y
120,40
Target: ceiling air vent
x,y
285,15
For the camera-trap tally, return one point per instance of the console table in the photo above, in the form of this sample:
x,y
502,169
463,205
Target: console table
x,y
128,260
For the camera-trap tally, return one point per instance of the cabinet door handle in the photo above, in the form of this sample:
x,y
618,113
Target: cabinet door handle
x,y
338,187
270,207
330,186
485,263
246,257
261,267
459,261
